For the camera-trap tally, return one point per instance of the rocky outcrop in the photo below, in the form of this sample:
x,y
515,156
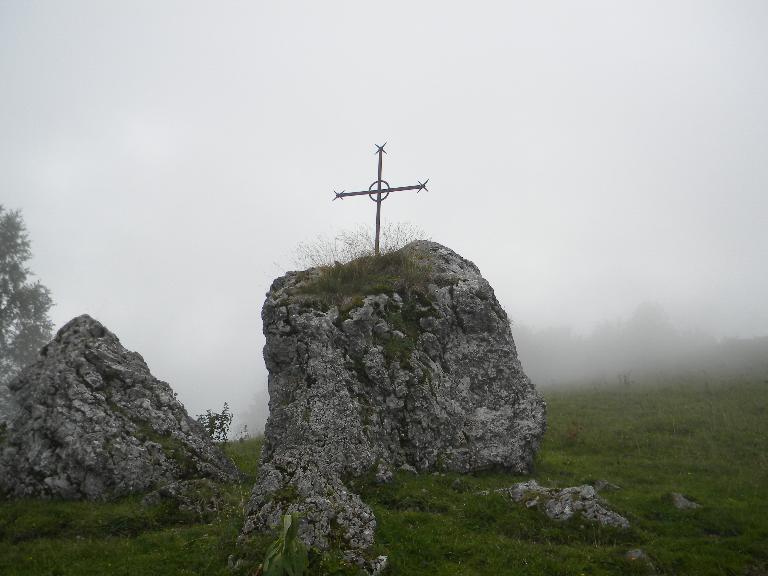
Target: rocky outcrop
x,y
424,375
92,422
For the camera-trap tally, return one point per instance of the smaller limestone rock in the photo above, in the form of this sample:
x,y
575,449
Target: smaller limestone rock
x,y
682,503
562,504
93,423
636,555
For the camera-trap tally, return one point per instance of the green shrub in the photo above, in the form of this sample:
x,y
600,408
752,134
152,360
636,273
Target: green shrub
x,y
287,555
217,424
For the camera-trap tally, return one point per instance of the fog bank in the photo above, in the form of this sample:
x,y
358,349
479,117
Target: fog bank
x,y
645,345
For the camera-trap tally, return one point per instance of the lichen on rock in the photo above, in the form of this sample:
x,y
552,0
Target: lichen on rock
x,y
418,375
92,422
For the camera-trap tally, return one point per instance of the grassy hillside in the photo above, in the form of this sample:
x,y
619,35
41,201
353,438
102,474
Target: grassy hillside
x,y
708,440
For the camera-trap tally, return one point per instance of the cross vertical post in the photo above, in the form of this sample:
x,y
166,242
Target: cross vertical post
x,y
381,193
380,152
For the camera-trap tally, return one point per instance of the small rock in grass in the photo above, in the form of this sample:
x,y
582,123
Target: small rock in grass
x,y
373,567
682,503
563,504
636,555
601,485
458,485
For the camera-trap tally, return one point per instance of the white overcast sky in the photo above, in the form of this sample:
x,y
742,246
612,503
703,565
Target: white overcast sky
x,y
588,156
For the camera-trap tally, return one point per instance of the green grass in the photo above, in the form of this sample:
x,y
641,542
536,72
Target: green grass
x,y
39,537
396,271
706,440
709,442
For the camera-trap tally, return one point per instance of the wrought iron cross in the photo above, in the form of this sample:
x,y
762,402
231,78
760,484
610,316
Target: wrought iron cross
x,y
381,192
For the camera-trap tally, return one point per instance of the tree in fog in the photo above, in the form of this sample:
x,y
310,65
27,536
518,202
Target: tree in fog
x,y
24,303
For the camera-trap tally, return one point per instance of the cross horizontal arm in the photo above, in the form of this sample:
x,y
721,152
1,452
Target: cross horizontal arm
x,y
383,191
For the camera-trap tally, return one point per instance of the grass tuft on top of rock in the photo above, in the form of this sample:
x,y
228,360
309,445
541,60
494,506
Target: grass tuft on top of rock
x,y
399,271
345,268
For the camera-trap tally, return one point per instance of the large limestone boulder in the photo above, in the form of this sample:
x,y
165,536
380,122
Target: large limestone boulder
x,y
424,376
92,422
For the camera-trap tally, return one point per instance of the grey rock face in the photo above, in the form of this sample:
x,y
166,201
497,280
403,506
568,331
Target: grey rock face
x,y
6,403
563,504
422,379
93,423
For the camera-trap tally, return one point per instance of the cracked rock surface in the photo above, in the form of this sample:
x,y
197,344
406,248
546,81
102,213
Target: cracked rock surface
x,y
423,379
6,403
93,423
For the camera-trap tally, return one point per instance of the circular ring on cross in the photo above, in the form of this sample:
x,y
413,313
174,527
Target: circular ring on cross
x,y
372,195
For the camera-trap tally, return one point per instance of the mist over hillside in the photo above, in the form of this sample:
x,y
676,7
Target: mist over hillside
x,y
646,345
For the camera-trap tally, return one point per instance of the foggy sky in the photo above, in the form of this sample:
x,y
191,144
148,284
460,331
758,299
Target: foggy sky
x,y
587,156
